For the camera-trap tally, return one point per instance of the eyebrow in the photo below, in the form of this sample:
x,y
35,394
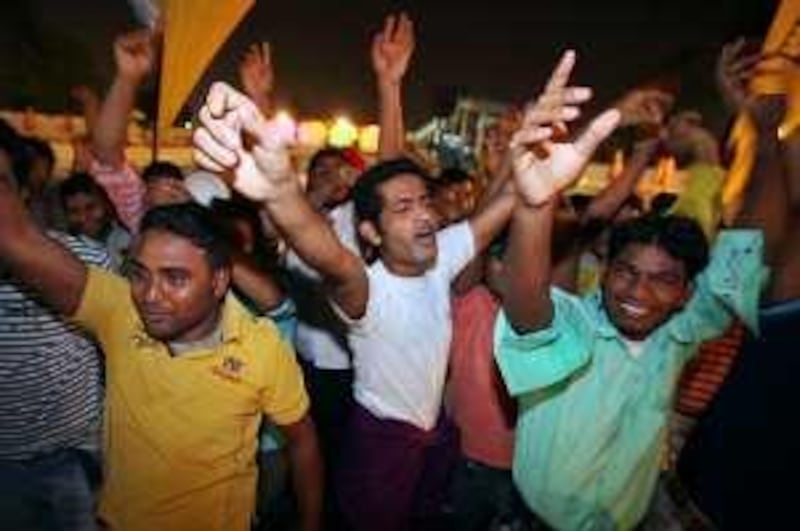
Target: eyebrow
x,y
658,272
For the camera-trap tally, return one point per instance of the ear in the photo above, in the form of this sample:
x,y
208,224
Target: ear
x,y
220,282
369,232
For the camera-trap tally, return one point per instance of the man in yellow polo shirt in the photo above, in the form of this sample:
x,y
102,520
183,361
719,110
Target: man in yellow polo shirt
x,y
189,372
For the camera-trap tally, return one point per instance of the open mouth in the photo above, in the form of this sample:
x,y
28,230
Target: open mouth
x,y
632,310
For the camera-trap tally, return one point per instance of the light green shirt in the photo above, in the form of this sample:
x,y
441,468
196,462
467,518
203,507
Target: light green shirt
x,y
592,417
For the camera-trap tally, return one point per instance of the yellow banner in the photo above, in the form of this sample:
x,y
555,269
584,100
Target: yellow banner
x,y
783,38
193,32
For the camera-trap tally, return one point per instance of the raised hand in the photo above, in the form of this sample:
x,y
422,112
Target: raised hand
x,y
255,71
134,54
392,48
235,139
735,68
542,168
646,107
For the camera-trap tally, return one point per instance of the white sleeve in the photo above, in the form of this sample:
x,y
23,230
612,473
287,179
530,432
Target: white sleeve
x,y
456,247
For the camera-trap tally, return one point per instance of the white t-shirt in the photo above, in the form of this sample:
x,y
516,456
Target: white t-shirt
x,y
401,344
321,336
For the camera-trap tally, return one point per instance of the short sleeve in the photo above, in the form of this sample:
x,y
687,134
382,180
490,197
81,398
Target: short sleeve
x,y
105,307
730,286
455,248
284,399
529,362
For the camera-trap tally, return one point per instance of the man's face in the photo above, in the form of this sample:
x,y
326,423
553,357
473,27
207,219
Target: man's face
x,y
87,214
173,287
162,191
642,287
408,225
332,178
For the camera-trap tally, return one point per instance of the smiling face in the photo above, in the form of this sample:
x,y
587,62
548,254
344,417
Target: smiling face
x,y
643,286
407,225
174,288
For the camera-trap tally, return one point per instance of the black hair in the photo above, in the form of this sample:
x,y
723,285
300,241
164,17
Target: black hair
x,y
681,237
453,175
324,153
366,198
580,202
227,212
161,170
80,183
194,223
14,147
41,149
662,202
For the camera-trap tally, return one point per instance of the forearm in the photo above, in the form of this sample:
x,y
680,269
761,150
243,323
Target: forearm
x,y
255,284
307,474
110,131
765,204
392,130
308,233
491,218
527,303
606,204
35,259
791,162
91,110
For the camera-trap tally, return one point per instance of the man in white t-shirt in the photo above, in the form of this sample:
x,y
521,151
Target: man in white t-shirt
x,y
321,338
398,308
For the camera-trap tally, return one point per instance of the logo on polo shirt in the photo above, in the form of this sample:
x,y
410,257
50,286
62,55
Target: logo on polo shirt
x,y
231,369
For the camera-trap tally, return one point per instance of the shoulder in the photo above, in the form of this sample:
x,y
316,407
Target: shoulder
x,y
87,250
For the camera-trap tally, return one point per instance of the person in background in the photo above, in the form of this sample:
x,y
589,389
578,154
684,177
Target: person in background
x,y
51,392
89,212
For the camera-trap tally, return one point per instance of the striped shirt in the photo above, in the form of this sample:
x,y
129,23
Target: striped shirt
x,y
51,390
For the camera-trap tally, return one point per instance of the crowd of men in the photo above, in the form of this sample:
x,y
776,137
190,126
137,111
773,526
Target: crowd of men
x,y
378,346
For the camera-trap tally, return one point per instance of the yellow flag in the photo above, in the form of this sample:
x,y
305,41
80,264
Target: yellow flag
x,y
783,37
193,32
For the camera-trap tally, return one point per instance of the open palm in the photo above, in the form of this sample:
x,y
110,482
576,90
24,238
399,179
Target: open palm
x,y
392,48
542,173
542,167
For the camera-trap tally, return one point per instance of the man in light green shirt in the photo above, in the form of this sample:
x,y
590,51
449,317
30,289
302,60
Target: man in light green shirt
x,y
595,376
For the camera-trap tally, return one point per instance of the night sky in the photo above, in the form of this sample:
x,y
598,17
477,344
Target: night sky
x,y
495,49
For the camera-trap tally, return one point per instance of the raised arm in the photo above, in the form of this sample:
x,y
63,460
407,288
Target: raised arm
x,y
89,103
766,200
32,257
392,49
134,56
645,109
262,171
257,77
541,170
557,104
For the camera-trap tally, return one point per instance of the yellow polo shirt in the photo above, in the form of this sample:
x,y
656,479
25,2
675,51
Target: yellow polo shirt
x,y
181,432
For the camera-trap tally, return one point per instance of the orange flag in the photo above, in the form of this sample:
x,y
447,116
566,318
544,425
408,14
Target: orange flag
x,y
193,32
